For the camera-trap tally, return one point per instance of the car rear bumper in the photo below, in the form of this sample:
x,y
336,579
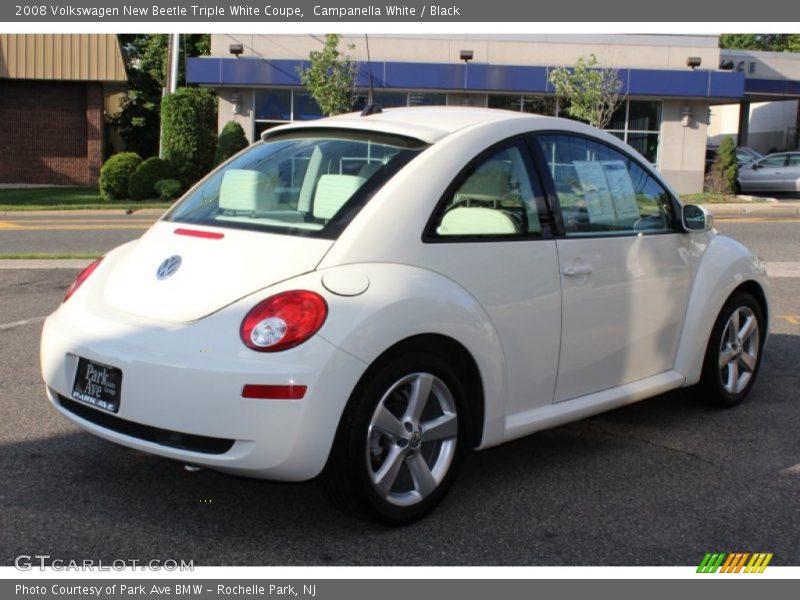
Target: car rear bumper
x,y
181,391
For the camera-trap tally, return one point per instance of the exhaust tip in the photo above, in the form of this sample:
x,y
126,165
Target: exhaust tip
x,y
192,468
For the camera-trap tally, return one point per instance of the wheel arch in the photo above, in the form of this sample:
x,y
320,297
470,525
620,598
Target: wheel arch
x,y
727,268
464,363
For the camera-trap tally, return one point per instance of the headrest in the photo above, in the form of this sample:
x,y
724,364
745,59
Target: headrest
x,y
332,192
246,191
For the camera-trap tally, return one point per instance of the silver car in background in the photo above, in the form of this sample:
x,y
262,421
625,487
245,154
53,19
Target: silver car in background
x,y
772,173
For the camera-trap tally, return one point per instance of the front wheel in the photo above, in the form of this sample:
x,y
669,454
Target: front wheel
x,y
400,441
733,356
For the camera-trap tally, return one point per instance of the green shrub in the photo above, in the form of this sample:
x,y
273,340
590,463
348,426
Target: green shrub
x,y
730,168
722,176
143,179
231,140
189,139
115,173
168,189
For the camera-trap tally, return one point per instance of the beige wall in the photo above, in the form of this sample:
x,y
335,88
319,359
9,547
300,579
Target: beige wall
x,y
765,65
621,51
244,116
770,123
683,148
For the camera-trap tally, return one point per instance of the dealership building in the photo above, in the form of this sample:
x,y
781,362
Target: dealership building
x,y
55,93
672,83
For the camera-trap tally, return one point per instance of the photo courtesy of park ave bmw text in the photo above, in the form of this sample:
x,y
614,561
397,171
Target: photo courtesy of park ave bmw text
x,y
320,300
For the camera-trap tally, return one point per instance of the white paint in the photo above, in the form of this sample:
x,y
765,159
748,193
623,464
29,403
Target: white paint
x,y
22,323
783,269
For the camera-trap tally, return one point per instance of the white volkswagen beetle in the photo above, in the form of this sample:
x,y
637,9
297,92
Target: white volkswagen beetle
x,y
364,298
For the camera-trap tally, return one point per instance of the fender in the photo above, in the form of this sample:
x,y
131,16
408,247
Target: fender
x,y
725,265
403,301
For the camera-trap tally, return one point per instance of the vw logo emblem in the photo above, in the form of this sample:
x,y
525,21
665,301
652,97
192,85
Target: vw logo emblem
x,y
167,268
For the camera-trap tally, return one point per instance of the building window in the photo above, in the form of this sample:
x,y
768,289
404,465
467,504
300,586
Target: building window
x,y
542,105
427,99
273,105
276,106
638,123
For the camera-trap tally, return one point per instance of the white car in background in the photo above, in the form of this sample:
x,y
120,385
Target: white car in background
x,y
365,298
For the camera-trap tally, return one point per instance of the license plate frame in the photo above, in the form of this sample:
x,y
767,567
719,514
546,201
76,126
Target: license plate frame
x,y
98,385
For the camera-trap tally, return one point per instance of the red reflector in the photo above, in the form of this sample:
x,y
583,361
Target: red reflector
x,y
274,392
210,235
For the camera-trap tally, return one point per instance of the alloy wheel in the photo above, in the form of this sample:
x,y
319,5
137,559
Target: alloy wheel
x,y
411,439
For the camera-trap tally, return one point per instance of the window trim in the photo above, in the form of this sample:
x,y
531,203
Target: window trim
x,y
552,195
429,235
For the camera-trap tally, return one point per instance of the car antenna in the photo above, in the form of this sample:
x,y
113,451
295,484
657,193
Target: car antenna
x,y
371,108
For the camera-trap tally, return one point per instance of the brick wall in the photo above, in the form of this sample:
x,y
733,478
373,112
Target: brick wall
x,y
52,132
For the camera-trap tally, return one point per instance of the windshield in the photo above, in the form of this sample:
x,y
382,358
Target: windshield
x,y
310,182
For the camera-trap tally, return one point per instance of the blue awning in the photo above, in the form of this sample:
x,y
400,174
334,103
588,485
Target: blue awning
x,y
257,72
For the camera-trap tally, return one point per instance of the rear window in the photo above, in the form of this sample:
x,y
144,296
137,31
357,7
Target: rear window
x,y
308,183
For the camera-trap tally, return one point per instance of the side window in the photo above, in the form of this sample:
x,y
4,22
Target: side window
x,y
794,160
773,161
601,190
495,197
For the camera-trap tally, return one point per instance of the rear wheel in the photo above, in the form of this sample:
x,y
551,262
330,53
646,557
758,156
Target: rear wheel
x,y
400,441
733,356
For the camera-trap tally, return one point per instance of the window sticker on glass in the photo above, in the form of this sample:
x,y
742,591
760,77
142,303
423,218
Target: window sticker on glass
x,y
620,187
595,192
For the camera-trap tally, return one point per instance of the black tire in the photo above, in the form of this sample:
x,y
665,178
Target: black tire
x,y
358,449
716,384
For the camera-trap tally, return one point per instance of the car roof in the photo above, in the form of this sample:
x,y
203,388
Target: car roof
x,y
426,123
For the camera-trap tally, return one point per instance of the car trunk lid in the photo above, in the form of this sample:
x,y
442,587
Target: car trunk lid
x,y
215,268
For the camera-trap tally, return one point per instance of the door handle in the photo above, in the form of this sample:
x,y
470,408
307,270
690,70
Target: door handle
x,y
577,270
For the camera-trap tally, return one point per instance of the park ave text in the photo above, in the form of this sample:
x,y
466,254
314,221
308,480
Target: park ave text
x,y
253,9
177,589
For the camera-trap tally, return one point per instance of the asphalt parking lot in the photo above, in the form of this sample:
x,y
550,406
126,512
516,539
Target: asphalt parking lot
x,y
658,483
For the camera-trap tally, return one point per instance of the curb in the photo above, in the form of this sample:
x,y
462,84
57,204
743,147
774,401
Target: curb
x,y
45,263
93,212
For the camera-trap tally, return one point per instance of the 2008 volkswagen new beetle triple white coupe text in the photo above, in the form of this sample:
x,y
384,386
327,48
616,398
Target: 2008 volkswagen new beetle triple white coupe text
x,y
365,298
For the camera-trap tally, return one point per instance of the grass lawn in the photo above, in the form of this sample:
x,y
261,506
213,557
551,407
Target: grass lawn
x,y
714,198
66,198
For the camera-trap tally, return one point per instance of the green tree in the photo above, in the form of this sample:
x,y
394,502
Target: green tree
x,y
231,140
770,42
190,138
593,94
146,63
330,77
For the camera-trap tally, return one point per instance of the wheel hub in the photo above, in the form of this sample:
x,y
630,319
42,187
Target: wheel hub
x,y
415,441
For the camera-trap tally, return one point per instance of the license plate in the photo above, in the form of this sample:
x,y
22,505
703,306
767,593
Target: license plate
x,y
97,384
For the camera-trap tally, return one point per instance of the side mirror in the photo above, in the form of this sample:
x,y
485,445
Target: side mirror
x,y
696,218
756,166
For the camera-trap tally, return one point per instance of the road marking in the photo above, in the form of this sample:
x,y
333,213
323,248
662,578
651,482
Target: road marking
x,y
77,227
30,221
791,319
783,269
757,219
7,225
15,324
44,263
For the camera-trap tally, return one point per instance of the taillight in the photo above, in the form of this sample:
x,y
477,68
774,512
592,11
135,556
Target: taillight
x,y
82,276
283,321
